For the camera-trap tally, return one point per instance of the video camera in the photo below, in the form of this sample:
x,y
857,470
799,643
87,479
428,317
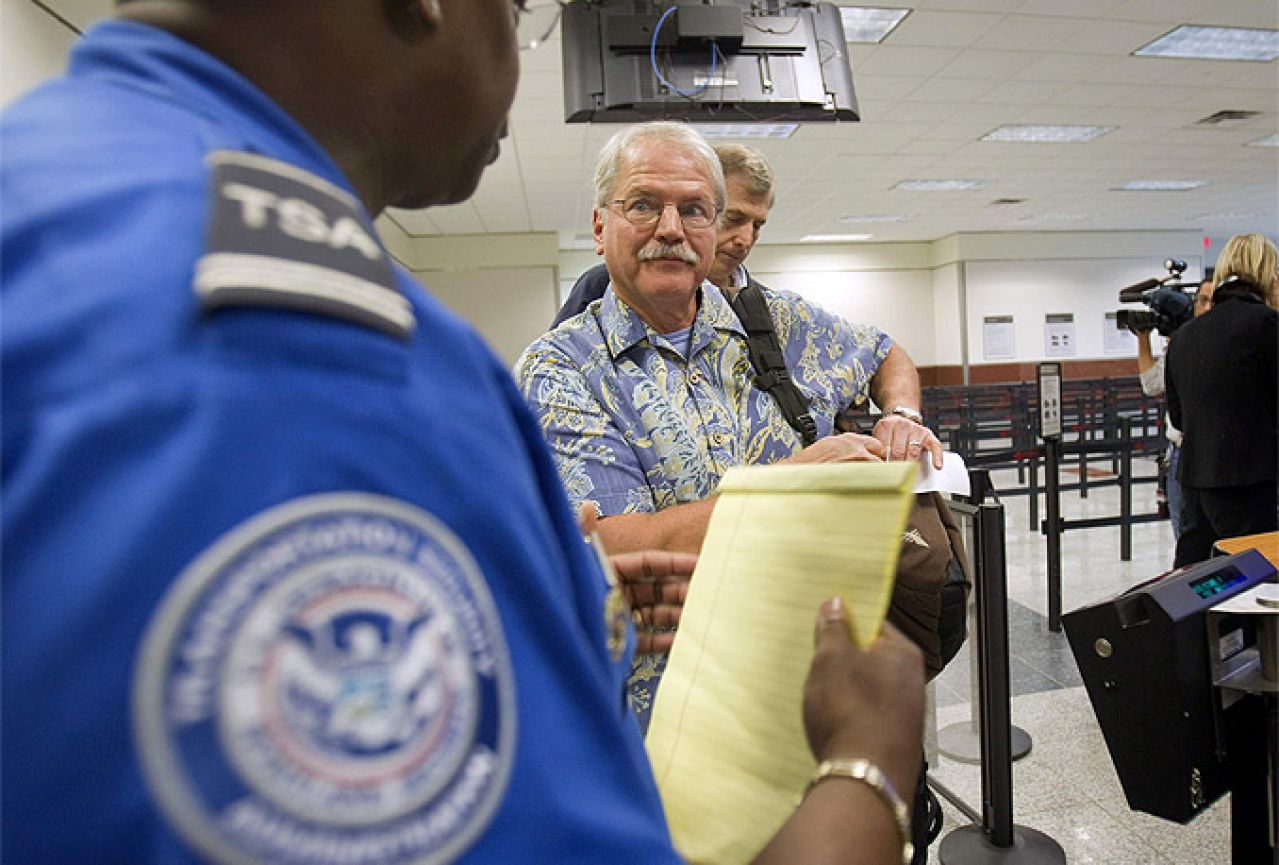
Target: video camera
x,y
1169,305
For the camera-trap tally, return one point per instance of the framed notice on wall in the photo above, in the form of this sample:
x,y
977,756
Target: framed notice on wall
x,y
999,338
1059,334
1116,340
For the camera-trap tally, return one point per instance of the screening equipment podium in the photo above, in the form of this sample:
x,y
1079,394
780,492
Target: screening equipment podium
x,y
1152,659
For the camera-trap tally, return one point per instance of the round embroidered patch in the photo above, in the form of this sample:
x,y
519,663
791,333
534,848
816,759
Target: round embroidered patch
x,y
328,683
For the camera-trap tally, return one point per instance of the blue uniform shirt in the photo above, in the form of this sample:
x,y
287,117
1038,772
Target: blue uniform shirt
x,y
287,566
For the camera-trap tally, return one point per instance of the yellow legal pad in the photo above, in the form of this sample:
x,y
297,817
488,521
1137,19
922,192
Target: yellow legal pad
x,y
727,737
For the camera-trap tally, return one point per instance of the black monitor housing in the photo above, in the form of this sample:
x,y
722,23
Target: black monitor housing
x,y
734,61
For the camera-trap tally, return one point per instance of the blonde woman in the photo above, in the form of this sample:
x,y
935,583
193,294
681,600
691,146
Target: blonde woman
x,y
1222,395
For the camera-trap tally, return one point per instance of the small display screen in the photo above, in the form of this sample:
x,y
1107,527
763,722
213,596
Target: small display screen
x,y
1215,584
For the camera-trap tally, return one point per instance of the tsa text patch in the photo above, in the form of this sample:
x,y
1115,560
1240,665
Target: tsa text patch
x,y
280,237
328,684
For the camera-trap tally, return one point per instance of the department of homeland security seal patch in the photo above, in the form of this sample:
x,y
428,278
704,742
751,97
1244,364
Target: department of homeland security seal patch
x,y
328,684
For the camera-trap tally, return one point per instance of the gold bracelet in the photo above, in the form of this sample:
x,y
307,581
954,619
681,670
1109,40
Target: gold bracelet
x,y
869,773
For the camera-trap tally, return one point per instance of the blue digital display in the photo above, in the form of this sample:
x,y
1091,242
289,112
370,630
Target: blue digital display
x,y
1215,584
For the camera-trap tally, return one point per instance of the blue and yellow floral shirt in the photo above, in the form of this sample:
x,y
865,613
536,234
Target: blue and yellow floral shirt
x,y
638,424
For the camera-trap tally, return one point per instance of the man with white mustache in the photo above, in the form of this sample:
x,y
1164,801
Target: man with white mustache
x,y
648,395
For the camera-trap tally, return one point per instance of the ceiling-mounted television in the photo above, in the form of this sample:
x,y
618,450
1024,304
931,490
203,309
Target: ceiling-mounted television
x,y
754,60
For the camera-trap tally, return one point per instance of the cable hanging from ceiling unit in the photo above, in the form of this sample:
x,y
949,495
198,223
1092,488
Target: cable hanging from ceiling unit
x,y
652,59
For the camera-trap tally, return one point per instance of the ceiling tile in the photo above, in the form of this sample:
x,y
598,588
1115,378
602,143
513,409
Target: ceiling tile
x,y
1114,37
910,60
1059,66
1163,11
415,223
953,71
963,5
1030,33
980,63
946,89
911,110
1073,8
881,88
939,28
1023,92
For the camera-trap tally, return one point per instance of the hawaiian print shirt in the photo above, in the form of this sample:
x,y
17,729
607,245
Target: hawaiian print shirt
x,y
636,427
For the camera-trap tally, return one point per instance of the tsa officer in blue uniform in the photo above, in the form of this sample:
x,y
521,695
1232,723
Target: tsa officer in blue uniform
x,y
289,576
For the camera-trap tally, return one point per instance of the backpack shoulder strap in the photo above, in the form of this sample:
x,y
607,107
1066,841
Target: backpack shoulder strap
x,y
768,361
590,286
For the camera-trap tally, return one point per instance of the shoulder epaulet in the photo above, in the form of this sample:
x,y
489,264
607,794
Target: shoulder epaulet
x,y
281,237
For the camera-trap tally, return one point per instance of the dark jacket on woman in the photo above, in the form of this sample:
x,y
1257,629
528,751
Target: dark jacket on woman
x,y
1222,391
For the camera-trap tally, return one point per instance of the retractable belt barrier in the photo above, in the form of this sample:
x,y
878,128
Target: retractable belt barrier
x,y
995,838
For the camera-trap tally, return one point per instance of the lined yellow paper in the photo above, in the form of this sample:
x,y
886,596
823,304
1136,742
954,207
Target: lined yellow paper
x,y
727,738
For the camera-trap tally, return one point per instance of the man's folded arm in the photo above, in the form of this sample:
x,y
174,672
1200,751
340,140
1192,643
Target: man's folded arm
x,y
896,382
679,528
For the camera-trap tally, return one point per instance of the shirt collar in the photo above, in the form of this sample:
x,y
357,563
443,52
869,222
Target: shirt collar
x,y
239,115
623,328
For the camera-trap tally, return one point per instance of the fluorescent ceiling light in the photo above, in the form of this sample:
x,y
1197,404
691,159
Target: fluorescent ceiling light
x,y
834,238
874,217
1225,217
1270,141
1159,185
1055,217
1214,43
720,131
869,24
1046,134
939,185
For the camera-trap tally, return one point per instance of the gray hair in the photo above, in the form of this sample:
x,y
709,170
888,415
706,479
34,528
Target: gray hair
x,y
674,133
738,160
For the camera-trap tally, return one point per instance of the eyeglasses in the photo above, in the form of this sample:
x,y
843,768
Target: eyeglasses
x,y
644,211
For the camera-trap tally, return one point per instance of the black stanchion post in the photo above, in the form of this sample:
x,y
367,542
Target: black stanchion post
x,y
1049,377
1034,488
961,741
1085,435
1125,489
1052,528
992,624
979,486
997,839
1111,397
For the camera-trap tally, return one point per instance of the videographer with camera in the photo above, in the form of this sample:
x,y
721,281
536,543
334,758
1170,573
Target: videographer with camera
x,y
1151,369
1223,395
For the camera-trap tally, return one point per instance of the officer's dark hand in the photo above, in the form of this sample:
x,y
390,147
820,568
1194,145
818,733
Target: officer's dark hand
x,y
655,584
865,703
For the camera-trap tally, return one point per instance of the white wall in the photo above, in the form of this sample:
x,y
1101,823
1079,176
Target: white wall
x,y
888,285
33,47
932,297
505,285
948,314
899,302
1027,290
510,307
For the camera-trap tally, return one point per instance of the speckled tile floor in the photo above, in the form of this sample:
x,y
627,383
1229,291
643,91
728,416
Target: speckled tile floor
x,y
1066,787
